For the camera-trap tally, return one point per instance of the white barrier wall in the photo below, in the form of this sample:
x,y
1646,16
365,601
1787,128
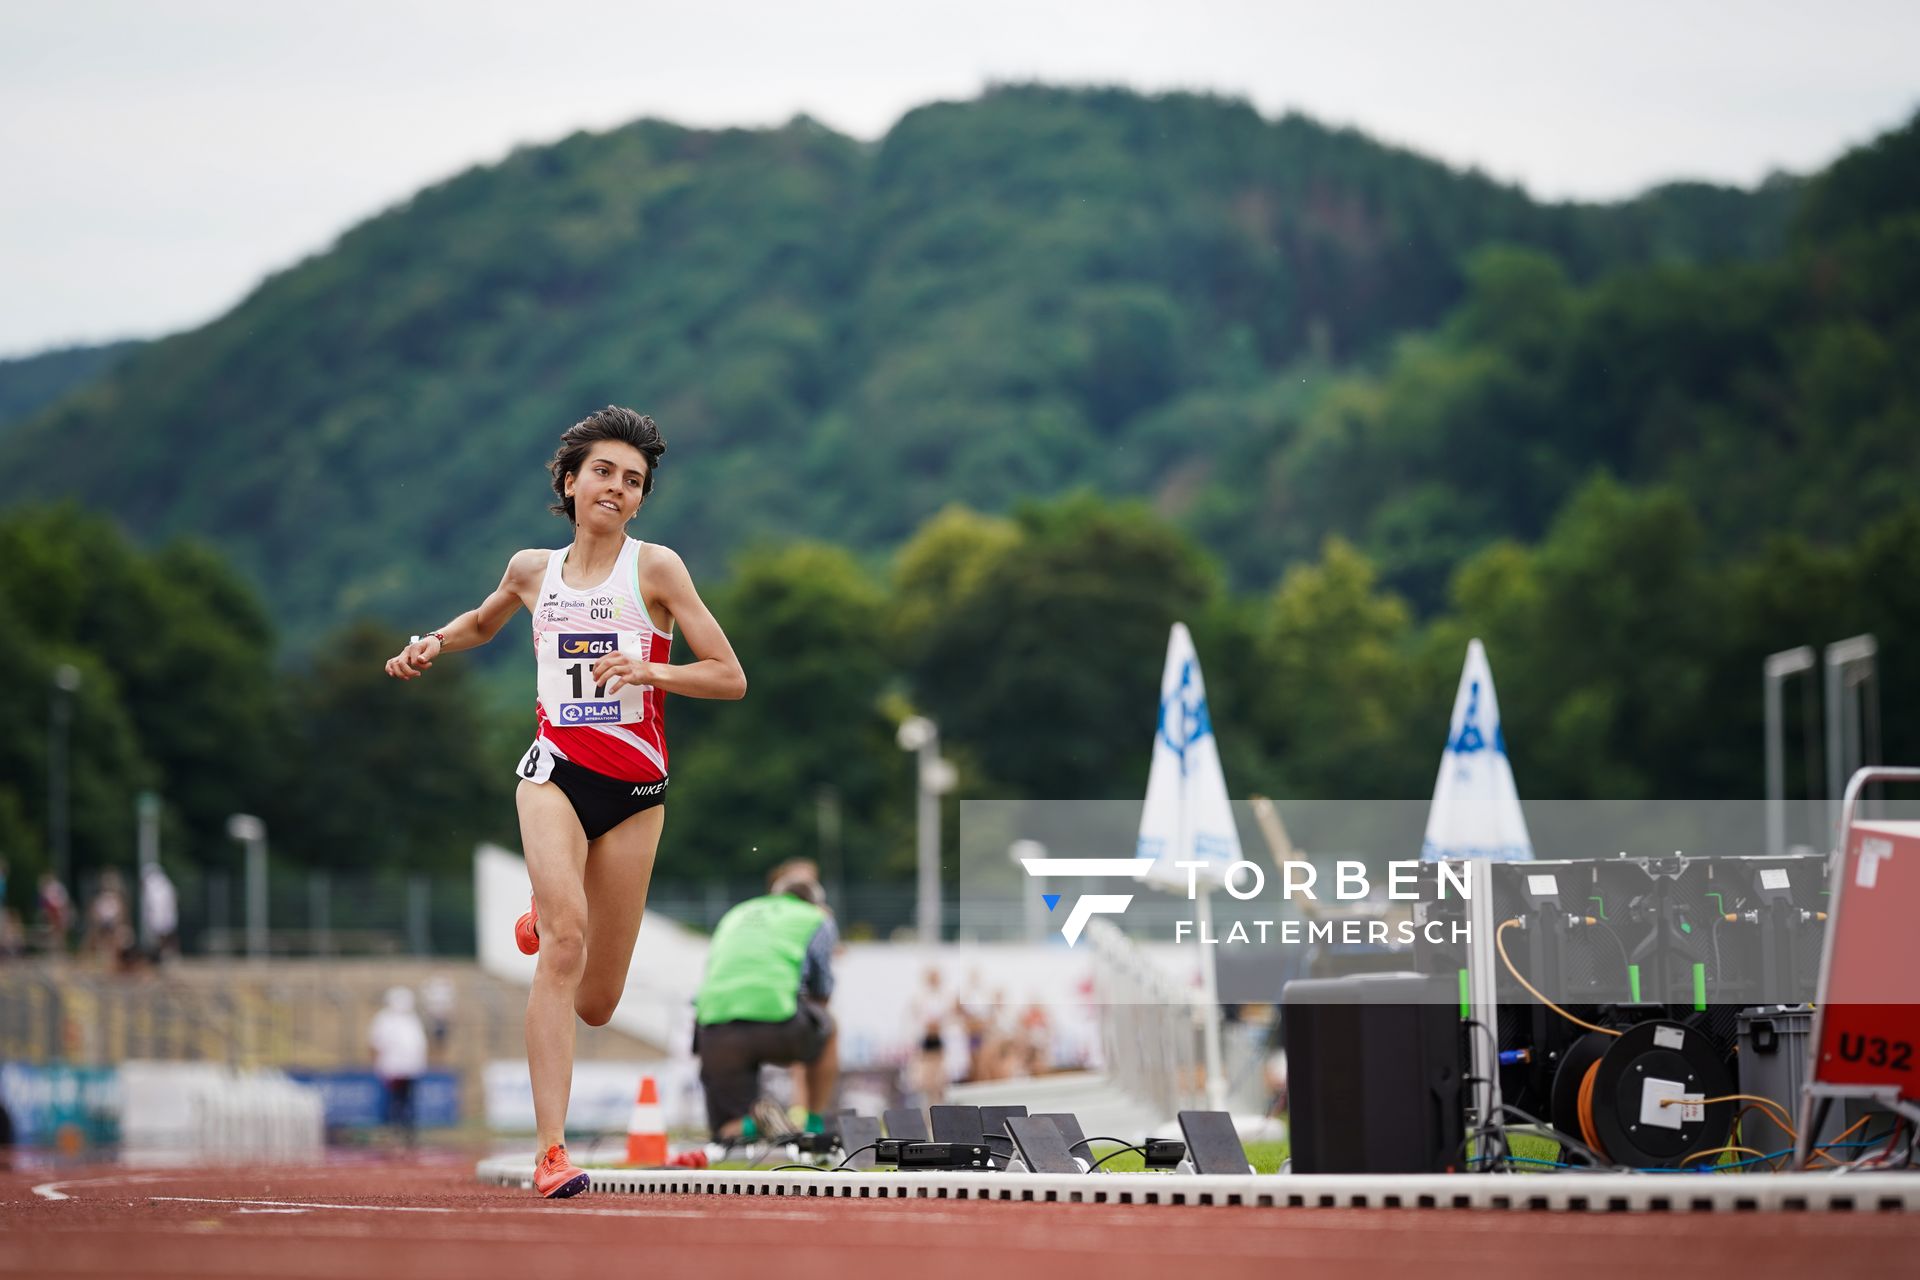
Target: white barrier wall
x,y
602,1098
211,1110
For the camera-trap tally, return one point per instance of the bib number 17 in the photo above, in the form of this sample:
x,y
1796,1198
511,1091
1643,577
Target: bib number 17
x,y
576,671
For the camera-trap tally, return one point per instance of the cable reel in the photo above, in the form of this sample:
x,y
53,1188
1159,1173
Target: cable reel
x,y
1639,1098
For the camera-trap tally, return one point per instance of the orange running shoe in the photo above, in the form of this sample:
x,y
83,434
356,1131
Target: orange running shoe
x,y
557,1178
526,930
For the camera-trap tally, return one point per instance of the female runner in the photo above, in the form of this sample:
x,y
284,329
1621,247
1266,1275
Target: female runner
x,y
593,784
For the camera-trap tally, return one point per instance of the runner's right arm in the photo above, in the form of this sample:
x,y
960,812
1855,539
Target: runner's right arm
x,y
476,626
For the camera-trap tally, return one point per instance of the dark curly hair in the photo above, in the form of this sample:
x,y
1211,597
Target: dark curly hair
x,y
610,423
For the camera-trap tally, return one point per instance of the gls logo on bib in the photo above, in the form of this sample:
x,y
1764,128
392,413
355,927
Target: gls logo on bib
x,y
588,646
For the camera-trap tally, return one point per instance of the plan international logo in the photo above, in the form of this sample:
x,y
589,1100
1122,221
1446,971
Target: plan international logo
x,y
581,713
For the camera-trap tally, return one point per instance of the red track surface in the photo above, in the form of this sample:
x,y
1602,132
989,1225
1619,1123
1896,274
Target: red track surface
x,y
401,1219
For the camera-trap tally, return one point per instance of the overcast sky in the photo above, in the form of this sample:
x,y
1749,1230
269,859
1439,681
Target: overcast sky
x,y
158,156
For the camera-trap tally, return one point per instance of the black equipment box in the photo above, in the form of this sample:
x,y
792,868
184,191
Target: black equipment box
x,y
1373,1071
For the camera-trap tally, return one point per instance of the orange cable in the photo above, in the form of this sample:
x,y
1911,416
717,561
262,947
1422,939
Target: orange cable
x,y
1844,1134
1716,1151
1583,1109
1752,1098
1501,944
1847,1132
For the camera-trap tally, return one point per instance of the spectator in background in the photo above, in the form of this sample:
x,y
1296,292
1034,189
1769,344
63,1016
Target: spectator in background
x,y
56,911
975,1011
1036,1039
931,1014
1000,1055
437,998
159,913
399,1045
109,938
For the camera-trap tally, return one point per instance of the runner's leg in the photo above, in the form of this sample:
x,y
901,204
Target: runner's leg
x,y
619,869
556,850
822,1074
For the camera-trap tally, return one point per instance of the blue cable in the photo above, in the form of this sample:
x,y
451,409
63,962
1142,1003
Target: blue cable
x,y
1711,1168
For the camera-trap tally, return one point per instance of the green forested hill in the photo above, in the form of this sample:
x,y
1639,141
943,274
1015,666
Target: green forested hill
x,y
1038,290
1333,405
31,383
1780,394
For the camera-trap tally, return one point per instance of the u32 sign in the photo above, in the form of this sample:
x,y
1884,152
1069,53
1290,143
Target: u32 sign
x,y
1875,1051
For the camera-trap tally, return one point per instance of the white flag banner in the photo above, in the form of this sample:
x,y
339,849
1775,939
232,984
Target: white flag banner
x,y
1476,807
1187,817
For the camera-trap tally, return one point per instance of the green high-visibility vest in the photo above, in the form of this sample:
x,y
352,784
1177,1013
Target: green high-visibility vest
x,y
754,961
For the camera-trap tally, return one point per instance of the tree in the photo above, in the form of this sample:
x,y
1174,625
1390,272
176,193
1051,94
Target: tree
x,y
1047,669
177,673
946,560
1337,699
105,767
1602,639
750,777
382,775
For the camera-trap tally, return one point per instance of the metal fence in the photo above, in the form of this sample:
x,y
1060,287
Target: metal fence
x,y
286,1012
1152,1029
325,914
318,913
862,912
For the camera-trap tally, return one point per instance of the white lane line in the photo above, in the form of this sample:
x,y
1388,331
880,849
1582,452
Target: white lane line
x,y
52,1191
777,1215
734,1211
302,1205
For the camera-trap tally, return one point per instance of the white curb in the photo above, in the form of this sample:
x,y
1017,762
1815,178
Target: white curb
x,y
1575,1192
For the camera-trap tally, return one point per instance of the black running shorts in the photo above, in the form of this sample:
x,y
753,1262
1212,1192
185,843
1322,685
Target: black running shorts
x,y
602,803
732,1053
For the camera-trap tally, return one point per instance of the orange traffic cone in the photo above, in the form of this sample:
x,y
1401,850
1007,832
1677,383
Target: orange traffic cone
x,y
646,1131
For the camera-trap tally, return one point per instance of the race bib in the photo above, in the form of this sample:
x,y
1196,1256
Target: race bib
x,y
565,679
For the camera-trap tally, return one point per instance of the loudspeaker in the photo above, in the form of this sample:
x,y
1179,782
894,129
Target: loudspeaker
x,y
1374,1074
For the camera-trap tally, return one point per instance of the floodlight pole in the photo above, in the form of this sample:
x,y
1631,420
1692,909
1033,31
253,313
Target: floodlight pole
x,y
826,812
1850,666
1210,993
1778,667
1482,997
934,776
147,847
66,680
252,832
1209,970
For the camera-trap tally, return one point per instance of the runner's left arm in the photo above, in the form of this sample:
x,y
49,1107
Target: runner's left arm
x,y
716,672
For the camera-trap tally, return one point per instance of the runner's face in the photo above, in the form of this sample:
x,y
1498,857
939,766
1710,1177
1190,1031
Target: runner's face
x,y
606,489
